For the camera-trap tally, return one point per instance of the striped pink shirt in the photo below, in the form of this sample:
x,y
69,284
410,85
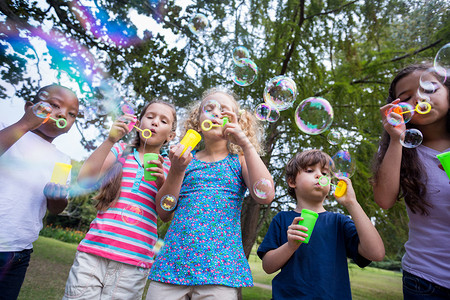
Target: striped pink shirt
x,y
126,232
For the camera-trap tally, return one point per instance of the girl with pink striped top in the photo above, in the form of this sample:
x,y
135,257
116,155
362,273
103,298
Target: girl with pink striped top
x,y
115,257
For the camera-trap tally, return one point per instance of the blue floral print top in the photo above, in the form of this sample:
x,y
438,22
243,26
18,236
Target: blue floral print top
x,y
203,244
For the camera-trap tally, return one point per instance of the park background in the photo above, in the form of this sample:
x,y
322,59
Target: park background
x,y
344,51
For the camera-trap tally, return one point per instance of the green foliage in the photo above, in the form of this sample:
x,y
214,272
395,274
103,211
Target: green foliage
x,y
67,235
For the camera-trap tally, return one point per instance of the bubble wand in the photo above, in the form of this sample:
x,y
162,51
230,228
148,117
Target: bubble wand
x,y
207,125
421,107
341,187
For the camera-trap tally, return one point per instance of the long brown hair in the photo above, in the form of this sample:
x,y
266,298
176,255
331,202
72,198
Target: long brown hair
x,y
413,188
109,191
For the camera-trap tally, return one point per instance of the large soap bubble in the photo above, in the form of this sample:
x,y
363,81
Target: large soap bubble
x,y
132,214
334,137
344,165
400,113
314,115
442,61
211,109
280,92
245,72
262,188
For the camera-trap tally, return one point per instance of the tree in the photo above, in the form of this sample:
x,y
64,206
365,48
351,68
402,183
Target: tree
x,y
343,51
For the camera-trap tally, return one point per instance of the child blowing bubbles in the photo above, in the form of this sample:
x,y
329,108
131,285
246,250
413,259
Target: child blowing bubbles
x,y
317,269
414,173
27,158
120,238
203,254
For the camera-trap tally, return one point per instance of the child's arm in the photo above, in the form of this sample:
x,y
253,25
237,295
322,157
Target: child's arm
x,y
11,134
102,158
275,259
174,180
253,168
370,243
387,186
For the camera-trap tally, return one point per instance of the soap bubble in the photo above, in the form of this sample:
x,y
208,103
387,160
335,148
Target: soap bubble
x,y
403,113
262,188
127,108
198,24
422,96
344,165
442,61
239,53
264,112
168,202
428,81
280,92
42,109
314,115
411,138
106,96
132,214
158,246
43,95
211,108
334,137
245,72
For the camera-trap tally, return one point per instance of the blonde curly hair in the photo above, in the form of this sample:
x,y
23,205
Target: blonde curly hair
x,y
249,124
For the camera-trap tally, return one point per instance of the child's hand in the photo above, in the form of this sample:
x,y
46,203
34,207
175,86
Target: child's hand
x,y
349,197
296,233
157,171
393,131
119,128
55,191
179,162
30,120
233,131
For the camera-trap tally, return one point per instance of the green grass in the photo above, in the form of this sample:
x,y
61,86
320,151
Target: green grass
x,y
52,259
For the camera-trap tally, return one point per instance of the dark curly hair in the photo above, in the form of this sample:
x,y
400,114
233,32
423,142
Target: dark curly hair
x,y
413,188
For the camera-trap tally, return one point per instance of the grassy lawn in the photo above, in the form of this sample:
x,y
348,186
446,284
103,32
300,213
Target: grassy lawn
x,y
52,259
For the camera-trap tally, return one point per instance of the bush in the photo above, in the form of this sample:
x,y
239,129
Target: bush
x,y
63,234
393,265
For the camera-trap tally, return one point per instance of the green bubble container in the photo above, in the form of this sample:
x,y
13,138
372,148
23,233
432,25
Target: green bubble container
x,y
444,158
309,221
147,174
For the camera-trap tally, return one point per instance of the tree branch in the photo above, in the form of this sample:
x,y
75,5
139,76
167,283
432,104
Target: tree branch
x,y
330,11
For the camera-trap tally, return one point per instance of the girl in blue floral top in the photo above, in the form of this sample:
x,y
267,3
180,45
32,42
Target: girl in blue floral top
x,y
203,254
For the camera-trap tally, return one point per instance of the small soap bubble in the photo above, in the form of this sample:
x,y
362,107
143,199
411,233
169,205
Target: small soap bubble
x,y
343,164
132,214
43,95
422,96
314,115
245,72
262,188
442,61
198,24
428,81
144,267
239,53
411,138
211,108
280,92
158,246
168,202
42,109
334,137
400,113
264,112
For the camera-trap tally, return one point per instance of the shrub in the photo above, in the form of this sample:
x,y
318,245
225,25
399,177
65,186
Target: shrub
x,y
63,234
